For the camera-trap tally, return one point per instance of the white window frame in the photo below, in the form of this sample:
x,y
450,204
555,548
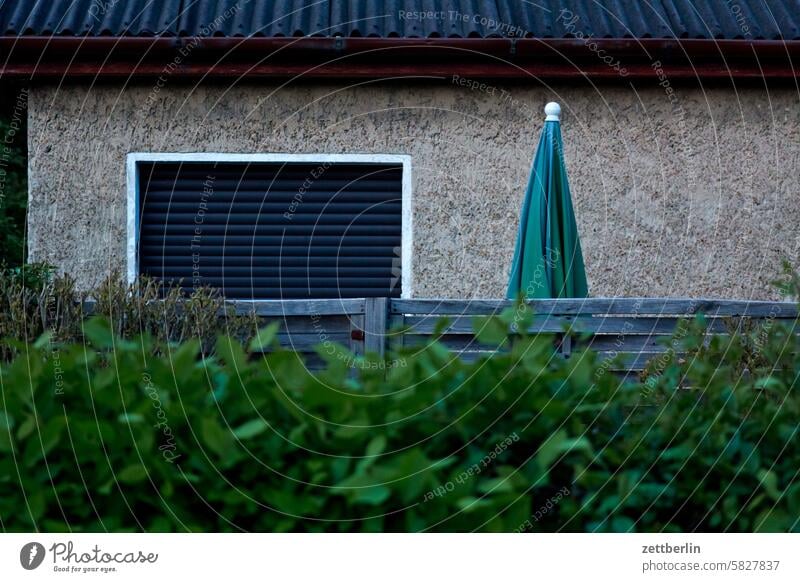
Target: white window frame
x,y
406,239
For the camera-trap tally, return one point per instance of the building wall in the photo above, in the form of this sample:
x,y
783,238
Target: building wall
x,y
678,191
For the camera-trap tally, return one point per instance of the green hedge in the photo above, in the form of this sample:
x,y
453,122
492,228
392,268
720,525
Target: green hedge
x,y
103,435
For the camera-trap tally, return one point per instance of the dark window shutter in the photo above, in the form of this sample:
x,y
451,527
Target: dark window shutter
x,y
273,230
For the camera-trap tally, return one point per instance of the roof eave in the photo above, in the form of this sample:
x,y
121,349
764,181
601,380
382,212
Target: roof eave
x,y
326,57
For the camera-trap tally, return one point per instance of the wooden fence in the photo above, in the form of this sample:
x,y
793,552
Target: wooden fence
x,y
306,323
632,328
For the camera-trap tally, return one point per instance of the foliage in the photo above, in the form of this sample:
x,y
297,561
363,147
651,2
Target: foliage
x,y
35,301
167,313
32,301
788,283
121,435
34,276
13,175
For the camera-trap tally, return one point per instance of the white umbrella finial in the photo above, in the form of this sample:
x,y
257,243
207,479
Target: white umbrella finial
x,y
553,111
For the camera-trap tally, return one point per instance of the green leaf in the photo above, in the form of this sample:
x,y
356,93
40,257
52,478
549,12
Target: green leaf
x,y
251,428
362,489
185,359
265,337
769,481
131,418
441,326
622,524
6,421
371,495
793,498
470,504
132,474
44,340
98,331
231,352
770,382
773,520
376,446
26,428
51,434
496,486
558,445
490,330
6,442
216,438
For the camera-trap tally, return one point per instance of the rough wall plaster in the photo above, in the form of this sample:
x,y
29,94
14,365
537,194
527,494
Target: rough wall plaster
x,y
692,197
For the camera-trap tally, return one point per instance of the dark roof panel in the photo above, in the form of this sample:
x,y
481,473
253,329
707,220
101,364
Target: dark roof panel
x,y
88,17
707,19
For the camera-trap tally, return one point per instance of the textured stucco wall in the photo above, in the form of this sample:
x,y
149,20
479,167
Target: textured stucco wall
x,y
694,195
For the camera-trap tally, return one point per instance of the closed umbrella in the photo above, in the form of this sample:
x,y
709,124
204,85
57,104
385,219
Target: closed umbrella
x,y
548,262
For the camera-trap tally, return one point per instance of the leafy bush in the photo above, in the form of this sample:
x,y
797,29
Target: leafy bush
x,y
119,435
34,301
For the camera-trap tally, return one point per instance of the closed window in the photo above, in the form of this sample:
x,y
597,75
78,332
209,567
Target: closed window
x,y
266,227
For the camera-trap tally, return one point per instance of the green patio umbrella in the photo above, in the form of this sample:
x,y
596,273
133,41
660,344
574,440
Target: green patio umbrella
x,y
548,261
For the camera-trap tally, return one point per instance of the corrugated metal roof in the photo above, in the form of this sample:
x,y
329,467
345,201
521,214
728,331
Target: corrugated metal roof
x,y
701,19
88,17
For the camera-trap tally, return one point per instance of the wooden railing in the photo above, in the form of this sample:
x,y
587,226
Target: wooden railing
x,y
627,329
306,323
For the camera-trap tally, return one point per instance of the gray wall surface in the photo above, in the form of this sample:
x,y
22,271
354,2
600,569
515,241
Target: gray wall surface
x,y
678,191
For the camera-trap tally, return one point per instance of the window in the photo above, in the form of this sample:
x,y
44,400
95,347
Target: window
x,y
264,226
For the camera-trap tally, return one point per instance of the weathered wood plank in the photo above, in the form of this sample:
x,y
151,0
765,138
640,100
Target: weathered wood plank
x,y
471,356
601,306
290,307
626,362
624,343
304,324
279,307
556,324
376,312
565,345
622,361
305,343
325,324
301,342
455,342
637,361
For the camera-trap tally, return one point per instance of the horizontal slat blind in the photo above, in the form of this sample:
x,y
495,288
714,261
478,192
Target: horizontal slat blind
x,y
273,230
